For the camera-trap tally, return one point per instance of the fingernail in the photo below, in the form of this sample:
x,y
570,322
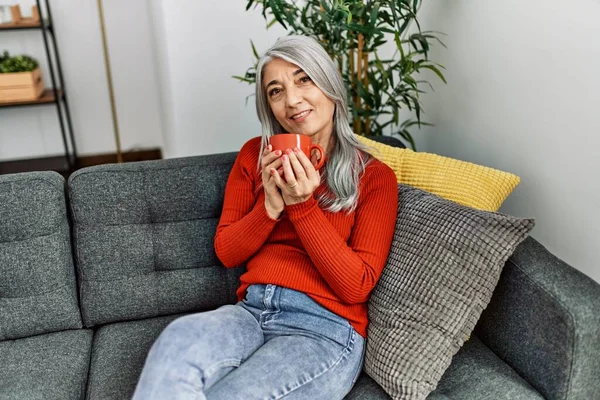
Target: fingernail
x,y
272,170
296,149
284,157
288,151
277,152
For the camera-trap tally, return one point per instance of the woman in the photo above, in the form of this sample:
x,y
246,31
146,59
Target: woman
x,y
314,244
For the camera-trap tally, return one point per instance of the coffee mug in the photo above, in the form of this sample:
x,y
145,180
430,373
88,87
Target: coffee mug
x,y
284,141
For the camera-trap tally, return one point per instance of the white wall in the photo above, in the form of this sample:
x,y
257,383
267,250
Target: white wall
x,y
34,131
203,44
522,96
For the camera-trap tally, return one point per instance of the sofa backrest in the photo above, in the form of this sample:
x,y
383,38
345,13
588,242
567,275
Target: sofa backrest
x,y
143,238
37,279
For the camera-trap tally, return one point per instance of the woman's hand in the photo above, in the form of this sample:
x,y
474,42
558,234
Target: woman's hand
x,y
271,160
301,177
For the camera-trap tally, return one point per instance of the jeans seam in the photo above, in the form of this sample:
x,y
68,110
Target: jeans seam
x,y
345,352
230,362
360,365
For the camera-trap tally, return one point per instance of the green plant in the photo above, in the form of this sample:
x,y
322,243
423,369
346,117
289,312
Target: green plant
x,y
20,63
352,31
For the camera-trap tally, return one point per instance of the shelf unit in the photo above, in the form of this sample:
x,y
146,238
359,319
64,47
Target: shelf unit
x,y
56,94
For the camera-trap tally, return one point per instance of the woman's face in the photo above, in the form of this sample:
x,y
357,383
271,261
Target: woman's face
x,y
297,103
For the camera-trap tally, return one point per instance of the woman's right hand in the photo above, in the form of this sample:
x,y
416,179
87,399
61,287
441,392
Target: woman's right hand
x,y
273,200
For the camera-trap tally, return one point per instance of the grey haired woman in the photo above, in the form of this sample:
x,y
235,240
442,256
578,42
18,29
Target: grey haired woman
x,y
314,243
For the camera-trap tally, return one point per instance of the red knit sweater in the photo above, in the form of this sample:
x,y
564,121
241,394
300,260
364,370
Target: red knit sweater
x,y
335,258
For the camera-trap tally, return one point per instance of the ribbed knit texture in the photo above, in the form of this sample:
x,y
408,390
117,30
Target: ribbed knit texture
x,y
335,258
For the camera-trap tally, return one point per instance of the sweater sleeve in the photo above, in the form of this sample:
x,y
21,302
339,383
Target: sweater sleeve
x,y
352,269
244,225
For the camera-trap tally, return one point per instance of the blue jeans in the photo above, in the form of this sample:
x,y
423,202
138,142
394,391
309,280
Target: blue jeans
x,y
276,343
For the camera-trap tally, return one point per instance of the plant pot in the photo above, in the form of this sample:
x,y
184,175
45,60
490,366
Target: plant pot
x,y
21,86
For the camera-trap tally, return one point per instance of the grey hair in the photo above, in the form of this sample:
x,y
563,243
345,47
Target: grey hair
x,y
349,157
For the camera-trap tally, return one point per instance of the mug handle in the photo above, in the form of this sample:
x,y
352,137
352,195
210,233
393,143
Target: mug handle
x,y
322,159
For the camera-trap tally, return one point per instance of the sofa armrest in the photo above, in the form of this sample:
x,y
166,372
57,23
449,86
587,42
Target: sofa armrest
x,y
544,321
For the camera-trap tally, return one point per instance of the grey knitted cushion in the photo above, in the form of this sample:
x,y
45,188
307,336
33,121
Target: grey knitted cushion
x,y
443,266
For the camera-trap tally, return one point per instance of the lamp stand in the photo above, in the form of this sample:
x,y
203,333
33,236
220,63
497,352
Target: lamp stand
x,y
110,83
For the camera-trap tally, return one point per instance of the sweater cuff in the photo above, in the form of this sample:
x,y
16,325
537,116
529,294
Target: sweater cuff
x,y
300,210
263,216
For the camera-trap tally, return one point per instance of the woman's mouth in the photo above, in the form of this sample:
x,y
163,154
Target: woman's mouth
x,y
301,116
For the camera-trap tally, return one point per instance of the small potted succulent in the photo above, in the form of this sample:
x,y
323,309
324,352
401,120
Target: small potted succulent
x,y
20,78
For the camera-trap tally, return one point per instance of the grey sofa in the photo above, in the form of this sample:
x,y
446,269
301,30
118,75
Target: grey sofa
x,y
92,270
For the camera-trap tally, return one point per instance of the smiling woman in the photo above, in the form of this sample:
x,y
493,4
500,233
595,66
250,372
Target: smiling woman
x,y
314,245
297,103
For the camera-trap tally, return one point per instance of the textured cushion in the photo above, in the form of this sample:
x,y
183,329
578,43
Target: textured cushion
x,y
443,266
143,236
119,354
37,278
53,366
466,183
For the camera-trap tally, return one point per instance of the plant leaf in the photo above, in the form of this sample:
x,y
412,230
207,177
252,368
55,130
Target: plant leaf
x,y
437,72
254,50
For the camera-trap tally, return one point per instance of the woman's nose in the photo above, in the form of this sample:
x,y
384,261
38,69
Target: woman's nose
x,y
293,97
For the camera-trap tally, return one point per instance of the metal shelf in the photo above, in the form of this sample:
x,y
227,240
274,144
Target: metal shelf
x,y
56,94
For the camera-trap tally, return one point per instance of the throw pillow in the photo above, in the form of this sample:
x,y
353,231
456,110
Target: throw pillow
x,y
469,184
444,264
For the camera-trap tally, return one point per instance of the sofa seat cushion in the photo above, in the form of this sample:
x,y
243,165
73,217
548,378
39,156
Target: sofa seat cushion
x,y
120,350
476,373
45,367
118,355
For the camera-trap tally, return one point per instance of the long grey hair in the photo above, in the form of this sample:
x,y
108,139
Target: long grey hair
x,y
349,157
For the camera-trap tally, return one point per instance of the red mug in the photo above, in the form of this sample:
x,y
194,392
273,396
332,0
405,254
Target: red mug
x,y
284,141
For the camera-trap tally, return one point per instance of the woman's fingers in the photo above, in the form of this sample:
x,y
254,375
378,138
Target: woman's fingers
x,y
275,176
269,156
297,167
277,164
307,165
288,171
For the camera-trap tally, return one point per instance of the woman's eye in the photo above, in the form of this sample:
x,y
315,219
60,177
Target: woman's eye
x,y
273,92
305,79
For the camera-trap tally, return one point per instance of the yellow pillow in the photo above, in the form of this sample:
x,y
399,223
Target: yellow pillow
x,y
469,184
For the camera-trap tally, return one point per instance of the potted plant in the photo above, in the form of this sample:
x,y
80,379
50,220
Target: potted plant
x,y
352,31
20,78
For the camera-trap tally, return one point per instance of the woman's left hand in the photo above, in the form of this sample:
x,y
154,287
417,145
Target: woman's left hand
x,y
301,177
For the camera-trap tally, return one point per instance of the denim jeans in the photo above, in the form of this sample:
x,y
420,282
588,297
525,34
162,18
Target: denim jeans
x,y
276,343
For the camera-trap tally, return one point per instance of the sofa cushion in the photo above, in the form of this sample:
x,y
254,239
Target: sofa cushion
x,y
119,354
444,263
367,389
120,350
143,237
37,279
475,373
45,367
466,183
